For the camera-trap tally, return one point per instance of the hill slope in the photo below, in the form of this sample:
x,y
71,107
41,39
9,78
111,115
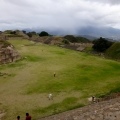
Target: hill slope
x,y
114,51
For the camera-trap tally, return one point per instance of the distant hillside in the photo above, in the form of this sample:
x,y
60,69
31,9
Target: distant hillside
x,y
83,39
114,51
77,39
89,37
88,31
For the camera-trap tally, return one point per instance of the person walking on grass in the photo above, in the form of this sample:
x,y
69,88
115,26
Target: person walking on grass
x,y
54,74
28,117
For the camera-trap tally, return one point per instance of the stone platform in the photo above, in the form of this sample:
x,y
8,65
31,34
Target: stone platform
x,y
105,110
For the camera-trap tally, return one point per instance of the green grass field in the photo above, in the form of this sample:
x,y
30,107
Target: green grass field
x,y
78,77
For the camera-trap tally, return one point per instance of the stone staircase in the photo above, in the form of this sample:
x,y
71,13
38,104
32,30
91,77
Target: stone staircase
x,y
105,110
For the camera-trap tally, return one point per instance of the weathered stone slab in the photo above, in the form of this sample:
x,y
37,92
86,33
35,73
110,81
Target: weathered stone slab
x,y
8,55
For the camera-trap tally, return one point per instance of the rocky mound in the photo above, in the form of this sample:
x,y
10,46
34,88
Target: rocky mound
x,y
7,52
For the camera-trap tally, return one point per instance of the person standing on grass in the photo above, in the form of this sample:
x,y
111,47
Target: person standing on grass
x,y
18,117
93,98
54,74
28,117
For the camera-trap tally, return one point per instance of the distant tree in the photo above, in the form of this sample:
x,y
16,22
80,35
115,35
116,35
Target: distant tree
x,y
65,41
13,32
101,44
29,34
70,38
24,31
43,33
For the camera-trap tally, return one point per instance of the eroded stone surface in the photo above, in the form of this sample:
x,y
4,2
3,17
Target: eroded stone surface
x,y
105,110
8,54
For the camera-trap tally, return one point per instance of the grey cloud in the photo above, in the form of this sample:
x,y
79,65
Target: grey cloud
x,y
112,2
58,14
20,3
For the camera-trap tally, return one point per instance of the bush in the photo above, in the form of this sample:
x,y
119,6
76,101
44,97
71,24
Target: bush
x,y
29,34
13,32
65,41
24,31
101,44
43,33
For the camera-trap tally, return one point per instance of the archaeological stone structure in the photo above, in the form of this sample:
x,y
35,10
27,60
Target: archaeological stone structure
x,y
7,51
8,54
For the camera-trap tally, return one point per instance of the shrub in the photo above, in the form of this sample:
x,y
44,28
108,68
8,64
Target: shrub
x,y
101,44
65,41
29,34
43,33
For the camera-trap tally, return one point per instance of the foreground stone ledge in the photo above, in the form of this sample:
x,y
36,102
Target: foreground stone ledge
x,y
105,110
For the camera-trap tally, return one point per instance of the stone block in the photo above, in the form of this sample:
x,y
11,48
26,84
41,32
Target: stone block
x,y
3,57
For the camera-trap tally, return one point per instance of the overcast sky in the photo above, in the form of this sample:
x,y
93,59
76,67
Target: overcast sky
x,y
59,14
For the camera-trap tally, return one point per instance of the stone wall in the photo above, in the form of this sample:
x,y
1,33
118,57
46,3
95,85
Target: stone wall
x,y
8,54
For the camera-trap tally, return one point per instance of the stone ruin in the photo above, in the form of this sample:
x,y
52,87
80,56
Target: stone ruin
x,y
3,37
8,54
7,51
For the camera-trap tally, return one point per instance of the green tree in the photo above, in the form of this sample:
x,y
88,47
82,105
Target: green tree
x,y
24,31
13,32
65,41
43,33
29,34
101,44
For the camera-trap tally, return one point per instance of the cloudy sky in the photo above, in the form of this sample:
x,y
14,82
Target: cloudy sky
x,y
59,14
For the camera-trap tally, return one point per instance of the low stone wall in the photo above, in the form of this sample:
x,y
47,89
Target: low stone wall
x,y
8,54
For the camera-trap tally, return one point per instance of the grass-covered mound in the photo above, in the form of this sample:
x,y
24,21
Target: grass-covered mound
x,y
114,51
28,82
